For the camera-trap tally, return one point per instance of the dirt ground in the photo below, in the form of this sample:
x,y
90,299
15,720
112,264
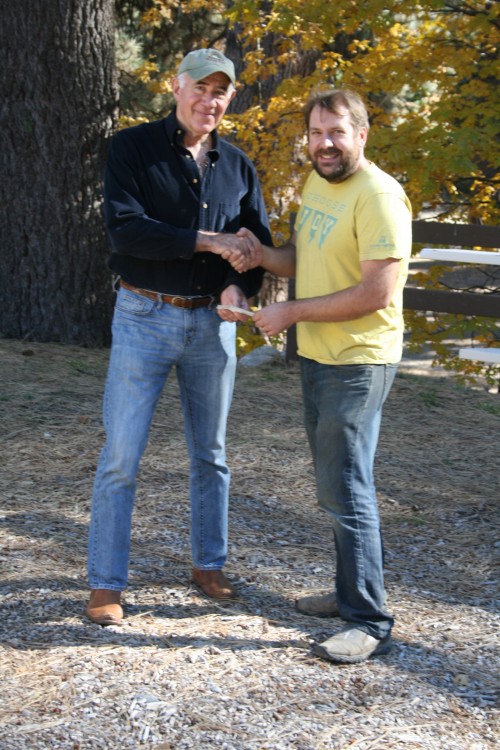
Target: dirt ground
x,y
183,672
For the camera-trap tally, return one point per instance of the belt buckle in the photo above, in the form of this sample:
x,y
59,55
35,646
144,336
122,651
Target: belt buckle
x,y
176,300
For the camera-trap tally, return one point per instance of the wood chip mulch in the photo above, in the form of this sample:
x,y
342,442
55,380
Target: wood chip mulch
x,y
183,672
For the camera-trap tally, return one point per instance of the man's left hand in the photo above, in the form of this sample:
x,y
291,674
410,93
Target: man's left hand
x,y
232,295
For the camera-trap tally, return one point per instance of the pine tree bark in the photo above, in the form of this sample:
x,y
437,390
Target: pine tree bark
x,y
58,108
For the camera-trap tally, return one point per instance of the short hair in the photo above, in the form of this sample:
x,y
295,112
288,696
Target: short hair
x,y
331,99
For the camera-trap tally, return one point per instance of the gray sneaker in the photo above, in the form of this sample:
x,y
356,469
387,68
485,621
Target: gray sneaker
x,y
352,646
318,605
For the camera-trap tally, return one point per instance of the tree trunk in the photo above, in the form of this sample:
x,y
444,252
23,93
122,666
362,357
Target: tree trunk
x,y
58,107
261,91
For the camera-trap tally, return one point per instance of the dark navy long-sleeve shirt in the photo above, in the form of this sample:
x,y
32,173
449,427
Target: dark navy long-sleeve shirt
x,y
156,201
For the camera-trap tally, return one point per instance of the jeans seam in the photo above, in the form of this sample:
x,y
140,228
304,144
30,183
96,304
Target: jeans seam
x,y
352,452
201,502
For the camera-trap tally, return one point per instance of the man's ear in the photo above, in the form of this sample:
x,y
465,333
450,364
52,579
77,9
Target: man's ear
x,y
176,86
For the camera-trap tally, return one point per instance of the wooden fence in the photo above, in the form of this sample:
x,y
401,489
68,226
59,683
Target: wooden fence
x,y
437,300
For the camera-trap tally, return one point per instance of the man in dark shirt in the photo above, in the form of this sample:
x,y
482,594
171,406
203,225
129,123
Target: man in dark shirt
x,y
175,195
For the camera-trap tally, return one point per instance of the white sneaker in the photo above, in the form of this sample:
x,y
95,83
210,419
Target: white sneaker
x,y
351,646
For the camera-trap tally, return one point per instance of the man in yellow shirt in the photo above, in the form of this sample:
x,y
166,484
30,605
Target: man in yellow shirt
x,y
349,253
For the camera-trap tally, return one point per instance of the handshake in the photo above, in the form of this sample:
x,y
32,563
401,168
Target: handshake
x,y
242,250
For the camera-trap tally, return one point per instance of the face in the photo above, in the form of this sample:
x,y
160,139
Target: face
x,y
335,146
201,105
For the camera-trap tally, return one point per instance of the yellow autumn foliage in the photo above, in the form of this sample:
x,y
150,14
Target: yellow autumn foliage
x,y
428,71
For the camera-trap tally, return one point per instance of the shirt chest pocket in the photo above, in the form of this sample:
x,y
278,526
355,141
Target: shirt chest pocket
x,y
228,217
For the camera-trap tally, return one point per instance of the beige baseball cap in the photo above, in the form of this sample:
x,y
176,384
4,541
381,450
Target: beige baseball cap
x,y
201,63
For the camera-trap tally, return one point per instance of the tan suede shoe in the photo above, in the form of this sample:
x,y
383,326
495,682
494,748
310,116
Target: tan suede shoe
x,y
214,584
104,607
318,605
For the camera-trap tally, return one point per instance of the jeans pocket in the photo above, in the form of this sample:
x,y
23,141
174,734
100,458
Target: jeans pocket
x,y
133,304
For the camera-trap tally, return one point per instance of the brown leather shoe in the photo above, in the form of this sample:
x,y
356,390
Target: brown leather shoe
x,y
104,607
214,584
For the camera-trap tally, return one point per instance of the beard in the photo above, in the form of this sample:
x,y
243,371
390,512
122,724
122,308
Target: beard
x,y
341,170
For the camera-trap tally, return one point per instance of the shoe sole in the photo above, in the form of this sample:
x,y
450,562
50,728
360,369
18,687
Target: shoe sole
x,y
104,620
212,598
383,648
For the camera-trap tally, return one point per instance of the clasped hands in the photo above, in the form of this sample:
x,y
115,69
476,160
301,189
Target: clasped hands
x,y
242,250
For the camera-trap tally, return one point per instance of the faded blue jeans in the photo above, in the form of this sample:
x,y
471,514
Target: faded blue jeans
x,y
149,338
343,410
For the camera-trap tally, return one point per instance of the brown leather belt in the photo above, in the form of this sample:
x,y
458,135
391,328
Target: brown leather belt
x,y
189,303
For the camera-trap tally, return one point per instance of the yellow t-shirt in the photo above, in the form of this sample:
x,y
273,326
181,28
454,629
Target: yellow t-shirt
x,y
366,217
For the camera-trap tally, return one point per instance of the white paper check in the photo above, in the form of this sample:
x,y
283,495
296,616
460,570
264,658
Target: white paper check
x,y
233,308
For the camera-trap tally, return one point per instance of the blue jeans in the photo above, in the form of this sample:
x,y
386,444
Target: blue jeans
x,y
343,410
149,338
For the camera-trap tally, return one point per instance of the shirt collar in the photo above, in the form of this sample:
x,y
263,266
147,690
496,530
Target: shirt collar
x,y
175,132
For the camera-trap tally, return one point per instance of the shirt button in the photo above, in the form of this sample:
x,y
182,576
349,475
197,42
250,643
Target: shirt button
x,y
205,205
195,180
